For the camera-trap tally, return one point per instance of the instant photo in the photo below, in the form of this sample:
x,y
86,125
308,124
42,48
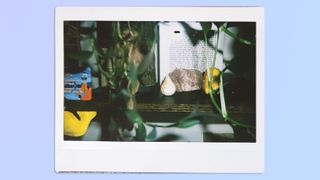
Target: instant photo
x,y
168,82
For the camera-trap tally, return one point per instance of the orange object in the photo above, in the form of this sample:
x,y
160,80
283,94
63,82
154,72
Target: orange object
x,y
85,92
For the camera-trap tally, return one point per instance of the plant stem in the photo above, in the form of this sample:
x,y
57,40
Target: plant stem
x,y
119,31
228,118
207,60
234,36
161,126
222,99
222,111
216,49
129,27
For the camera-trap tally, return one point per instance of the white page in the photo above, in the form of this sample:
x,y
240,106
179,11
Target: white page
x,y
177,50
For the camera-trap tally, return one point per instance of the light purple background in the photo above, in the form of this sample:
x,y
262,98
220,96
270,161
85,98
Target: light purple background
x,y
27,89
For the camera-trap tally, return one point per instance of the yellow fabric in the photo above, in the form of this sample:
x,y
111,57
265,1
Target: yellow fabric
x,y
75,127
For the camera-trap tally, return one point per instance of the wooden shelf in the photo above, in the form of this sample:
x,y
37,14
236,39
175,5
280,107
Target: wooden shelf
x,y
154,107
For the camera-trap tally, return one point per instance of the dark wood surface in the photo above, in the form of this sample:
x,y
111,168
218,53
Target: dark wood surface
x,y
155,107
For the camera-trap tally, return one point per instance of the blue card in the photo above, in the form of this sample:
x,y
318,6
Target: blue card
x,y
78,86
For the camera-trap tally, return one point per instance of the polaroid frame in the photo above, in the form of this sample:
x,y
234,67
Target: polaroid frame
x,y
163,157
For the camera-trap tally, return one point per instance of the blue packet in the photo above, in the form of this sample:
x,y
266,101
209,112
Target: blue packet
x,y
78,86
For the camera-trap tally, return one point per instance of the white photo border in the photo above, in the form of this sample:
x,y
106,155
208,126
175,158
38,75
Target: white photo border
x,y
169,157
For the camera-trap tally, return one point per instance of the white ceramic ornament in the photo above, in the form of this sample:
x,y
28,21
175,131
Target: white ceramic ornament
x,y
167,87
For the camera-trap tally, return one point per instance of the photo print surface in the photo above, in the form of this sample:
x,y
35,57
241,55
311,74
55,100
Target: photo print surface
x,y
160,81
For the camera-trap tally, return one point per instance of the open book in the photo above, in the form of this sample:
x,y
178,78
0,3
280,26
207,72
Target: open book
x,y
182,46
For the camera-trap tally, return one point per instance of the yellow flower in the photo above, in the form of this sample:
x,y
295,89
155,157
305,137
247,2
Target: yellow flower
x,y
214,73
75,127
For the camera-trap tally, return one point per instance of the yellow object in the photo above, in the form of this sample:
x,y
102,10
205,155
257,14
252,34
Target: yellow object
x,y
75,127
214,73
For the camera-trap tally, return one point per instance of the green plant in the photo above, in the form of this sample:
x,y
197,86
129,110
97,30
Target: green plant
x,y
206,26
116,65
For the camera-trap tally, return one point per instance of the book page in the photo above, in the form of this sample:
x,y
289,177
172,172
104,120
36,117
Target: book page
x,y
178,51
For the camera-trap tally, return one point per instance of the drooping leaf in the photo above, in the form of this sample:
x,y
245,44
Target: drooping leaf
x,y
205,115
193,119
140,132
206,26
133,116
218,24
125,93
187,123
196,36
235,36
132,74
152,134
81,56
97,49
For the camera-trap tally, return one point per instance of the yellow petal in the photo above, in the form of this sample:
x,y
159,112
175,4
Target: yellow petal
x,y
215,85
73,126
215,72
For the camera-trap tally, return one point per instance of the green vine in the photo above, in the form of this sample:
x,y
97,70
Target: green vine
x,y
223,111
234,36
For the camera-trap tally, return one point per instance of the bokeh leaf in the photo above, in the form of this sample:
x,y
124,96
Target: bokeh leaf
x,y
195,36
81,56
185,123
218,24
133,116
152,134
97,50
132,74
140,132
206,26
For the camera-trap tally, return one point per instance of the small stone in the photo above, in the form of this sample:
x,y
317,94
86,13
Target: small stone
x,y
187,79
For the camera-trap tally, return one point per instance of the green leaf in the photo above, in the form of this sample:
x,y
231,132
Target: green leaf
x,y
235,36
185,123
125,93
218,24
206,26
97,49
141,132
152,134
195,36
132,74
81,56
133,116
205,115
222,98
192,119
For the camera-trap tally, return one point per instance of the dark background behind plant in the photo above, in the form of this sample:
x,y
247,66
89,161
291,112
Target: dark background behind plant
x,y
239,88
